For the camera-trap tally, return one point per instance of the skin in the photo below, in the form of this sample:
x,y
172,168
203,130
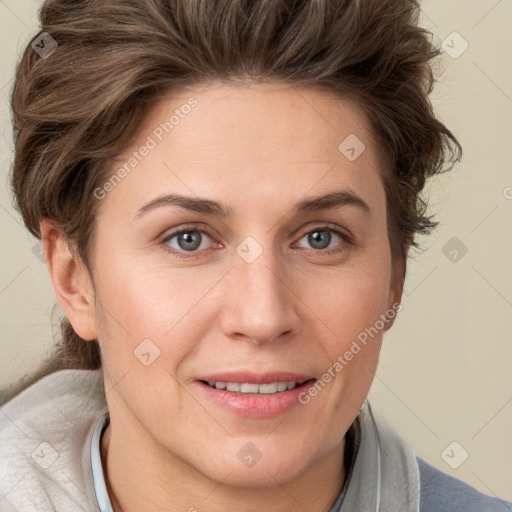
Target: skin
x,y
257,149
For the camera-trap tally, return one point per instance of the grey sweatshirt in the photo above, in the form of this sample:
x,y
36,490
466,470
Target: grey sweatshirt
x,y
50,438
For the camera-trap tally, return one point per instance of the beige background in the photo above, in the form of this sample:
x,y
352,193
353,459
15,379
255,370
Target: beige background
x,y
445,371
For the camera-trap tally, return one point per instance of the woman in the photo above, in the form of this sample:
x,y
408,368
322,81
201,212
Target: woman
x,y
226,194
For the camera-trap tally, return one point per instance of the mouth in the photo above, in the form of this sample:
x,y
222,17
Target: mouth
x,y
253,395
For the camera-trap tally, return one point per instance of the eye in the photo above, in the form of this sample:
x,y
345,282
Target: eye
x,y
194,239
186,240
321,237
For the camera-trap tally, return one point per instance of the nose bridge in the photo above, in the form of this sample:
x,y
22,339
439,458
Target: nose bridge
x,y
259,305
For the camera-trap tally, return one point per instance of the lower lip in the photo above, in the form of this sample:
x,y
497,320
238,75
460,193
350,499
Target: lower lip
x,y
255,405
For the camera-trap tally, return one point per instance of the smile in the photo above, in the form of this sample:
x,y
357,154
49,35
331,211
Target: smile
x,y
254,396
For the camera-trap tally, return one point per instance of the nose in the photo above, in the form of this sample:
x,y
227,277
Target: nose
x,y
260,305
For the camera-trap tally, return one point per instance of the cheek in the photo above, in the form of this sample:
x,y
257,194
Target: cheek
x,y
133,295
147,310
351,309
351,302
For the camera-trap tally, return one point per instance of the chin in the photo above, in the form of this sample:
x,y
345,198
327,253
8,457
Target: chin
x,y
280,468
264,477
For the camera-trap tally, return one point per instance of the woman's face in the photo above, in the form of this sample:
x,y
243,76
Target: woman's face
x,y
266,283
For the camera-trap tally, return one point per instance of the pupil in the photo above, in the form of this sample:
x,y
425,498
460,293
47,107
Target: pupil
x,y
317,238
189,241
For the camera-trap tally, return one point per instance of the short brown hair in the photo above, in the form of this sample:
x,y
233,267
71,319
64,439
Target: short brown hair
x,y
81,105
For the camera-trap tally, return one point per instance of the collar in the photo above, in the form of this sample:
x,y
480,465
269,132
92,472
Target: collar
x,y
97,469
385,476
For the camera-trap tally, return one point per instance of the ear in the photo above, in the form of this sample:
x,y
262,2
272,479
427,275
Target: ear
x,y
70,279
396,289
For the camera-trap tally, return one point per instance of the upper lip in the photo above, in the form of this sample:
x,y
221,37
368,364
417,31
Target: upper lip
x,y
257,378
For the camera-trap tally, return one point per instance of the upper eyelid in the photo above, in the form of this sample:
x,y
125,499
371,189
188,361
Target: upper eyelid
x,y
187,227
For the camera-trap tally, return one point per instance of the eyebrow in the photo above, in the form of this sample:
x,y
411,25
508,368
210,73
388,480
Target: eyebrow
x,y
332,200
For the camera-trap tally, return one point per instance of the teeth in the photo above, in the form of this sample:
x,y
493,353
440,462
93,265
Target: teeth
x,y
247,387
268,388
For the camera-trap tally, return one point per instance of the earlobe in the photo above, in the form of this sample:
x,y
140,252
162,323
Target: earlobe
x,y
70,280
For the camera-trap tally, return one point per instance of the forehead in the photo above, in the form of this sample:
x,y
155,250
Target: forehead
x,y
249,141
247,115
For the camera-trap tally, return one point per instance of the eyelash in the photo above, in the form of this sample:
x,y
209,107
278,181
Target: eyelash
x,y
347,240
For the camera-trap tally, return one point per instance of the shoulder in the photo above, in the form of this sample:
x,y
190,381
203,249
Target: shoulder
x,y
45,434
440,492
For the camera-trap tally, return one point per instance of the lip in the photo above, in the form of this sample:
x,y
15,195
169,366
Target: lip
x,y
256,378
252,405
